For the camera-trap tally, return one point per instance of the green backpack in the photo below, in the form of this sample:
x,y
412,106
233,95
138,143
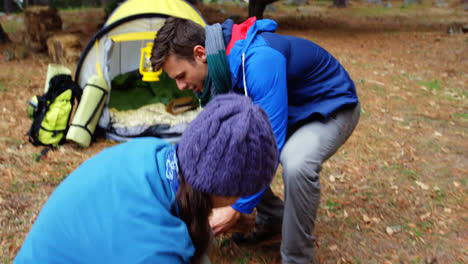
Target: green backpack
x,y
51,112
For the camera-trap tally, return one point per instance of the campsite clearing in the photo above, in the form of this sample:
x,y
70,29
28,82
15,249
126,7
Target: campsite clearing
x,y
396,192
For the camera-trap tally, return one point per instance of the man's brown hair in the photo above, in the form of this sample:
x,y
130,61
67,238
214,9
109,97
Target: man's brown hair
x,y
177,36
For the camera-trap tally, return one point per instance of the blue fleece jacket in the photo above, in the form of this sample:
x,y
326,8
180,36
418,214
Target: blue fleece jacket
x,y
293,79
114,208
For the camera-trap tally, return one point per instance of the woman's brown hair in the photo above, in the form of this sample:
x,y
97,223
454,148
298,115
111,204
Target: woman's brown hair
x,y
194,207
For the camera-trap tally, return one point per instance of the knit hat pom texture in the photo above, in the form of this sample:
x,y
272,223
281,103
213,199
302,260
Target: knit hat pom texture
x,y
229,149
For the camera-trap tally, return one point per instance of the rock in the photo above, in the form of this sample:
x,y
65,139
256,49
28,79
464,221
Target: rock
x,y
457,28
387,5
297,2
440,3
374,2
41,22
64,48
392,229
333,247
271,8
409,2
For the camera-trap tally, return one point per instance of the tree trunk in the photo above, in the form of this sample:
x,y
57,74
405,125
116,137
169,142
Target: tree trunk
x,y
8,6
3,36
256,7
195,2
339,3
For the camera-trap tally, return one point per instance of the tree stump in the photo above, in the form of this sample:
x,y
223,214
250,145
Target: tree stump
x,y
41,22
64,48
256,7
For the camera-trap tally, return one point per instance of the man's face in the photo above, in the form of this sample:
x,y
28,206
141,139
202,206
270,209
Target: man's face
x,y
188,74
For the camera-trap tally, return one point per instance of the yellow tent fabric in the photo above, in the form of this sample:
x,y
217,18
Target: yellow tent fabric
x,y
134,36
177,8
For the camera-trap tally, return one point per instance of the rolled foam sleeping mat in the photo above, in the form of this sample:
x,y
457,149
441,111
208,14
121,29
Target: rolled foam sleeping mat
x,y
88,112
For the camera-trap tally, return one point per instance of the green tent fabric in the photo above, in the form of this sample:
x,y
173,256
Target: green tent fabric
x,y
129,92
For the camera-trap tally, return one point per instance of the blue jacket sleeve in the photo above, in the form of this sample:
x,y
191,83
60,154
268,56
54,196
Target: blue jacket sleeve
x,y
247,204
265,73
114,208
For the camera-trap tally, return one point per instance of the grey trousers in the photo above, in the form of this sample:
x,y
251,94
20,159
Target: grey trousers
x,y
301,158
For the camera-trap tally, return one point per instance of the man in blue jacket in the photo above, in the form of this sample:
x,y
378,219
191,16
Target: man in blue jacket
x,y
310,100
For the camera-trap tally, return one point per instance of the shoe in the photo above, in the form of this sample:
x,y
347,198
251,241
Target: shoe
x,y
261,234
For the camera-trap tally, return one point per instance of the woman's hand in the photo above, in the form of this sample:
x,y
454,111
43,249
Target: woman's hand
x,y
223,218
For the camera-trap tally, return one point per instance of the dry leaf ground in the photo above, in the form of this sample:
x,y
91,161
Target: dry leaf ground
x,y
397,192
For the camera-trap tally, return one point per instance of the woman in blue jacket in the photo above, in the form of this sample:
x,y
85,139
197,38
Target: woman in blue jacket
x,y
146,201
310,100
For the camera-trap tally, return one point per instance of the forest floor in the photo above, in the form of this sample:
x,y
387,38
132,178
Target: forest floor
x,y
396,192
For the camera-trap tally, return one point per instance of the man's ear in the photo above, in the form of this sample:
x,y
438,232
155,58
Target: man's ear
x,y
199,53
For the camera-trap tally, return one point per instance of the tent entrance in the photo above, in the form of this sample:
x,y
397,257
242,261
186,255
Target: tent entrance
x,y
129,92
138,108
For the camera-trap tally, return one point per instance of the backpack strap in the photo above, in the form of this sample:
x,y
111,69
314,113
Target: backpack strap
x,y
60,84
42,108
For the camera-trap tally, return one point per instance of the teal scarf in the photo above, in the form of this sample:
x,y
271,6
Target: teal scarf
x,y
218,79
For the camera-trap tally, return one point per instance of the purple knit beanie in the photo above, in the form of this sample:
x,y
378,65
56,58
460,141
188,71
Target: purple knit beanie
x,y
229,149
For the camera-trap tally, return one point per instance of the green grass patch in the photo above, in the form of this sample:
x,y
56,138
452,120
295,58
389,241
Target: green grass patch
x,y
13,141
432,85
426,225
3,87
416,261
410,174
438,195
444,172
14,187
372,11
418,233
411,8
378,90
433,145
75,8
30,186
8,55
36,157
461,116
12,26
366,66
464,181
331,205
351,221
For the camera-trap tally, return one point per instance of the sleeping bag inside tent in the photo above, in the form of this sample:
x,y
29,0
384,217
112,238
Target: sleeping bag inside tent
x,y
132,106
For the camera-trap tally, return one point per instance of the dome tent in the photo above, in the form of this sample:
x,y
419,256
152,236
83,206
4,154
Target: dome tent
x,y
115,50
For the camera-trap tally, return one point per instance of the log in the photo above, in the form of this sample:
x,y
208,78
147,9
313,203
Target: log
x,y
40,22
64,48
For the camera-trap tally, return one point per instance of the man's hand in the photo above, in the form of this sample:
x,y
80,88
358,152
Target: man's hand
x,y
223,218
